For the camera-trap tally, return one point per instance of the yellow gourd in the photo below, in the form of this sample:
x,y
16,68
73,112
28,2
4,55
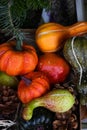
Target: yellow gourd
x,y
50,37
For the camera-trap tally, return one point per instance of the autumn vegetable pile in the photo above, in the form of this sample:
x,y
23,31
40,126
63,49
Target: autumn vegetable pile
x,y
62,49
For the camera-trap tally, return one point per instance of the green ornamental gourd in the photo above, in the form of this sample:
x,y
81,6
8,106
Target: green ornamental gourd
x,y
75,52
7,80
57,100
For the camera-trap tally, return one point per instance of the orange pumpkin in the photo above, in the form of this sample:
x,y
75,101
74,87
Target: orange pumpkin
x,y
50,37
15,62
32,85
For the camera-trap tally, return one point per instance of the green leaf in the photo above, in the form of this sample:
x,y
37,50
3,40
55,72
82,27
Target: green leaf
x,y
11,12
37,4
5,16
18,10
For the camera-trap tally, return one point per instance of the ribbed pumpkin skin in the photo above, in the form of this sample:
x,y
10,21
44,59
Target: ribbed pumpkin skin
x,y
15,62
80,50
42,120
34,86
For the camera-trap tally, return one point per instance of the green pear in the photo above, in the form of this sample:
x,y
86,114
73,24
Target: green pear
x,y
7,80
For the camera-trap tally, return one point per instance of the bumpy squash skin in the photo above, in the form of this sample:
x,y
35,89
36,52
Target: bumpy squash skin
x,y
15,62
80,50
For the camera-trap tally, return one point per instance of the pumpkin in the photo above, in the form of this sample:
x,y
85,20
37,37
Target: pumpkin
x,y
33,85
54,66
50,37
17,62
75,52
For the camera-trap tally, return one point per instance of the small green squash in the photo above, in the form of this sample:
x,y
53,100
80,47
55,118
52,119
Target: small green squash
x,y
75,52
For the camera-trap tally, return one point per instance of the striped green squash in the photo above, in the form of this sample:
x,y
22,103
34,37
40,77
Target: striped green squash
x,y
75,52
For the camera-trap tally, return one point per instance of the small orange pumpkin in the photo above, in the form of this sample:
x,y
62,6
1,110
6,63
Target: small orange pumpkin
x,y
15,62
32,85
50,37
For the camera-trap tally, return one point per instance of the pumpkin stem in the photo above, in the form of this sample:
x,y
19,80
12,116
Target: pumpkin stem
x,y
19,37
19,45
28,81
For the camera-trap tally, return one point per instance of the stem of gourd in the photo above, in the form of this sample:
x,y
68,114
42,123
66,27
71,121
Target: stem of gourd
x,y
19,38
19,44
27,81
28,110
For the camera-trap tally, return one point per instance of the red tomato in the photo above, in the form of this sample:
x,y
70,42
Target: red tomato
x,y
54,66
